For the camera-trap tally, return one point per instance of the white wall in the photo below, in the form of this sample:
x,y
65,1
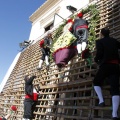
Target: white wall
x,y
64,12
37,30
9,72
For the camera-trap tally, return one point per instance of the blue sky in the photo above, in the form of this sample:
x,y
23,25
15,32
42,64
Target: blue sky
x,y
14,28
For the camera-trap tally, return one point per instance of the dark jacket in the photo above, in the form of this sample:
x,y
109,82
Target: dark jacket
x,y
78,22
29,85
107,50
47,41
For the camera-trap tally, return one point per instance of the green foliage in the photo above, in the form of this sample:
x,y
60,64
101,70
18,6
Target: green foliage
x,y
58,32
94,18
56,35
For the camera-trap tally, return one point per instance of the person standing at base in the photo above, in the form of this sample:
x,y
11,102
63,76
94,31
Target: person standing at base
x,y
107,58
30,96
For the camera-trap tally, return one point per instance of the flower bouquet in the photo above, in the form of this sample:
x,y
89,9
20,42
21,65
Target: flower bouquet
x,y
87,56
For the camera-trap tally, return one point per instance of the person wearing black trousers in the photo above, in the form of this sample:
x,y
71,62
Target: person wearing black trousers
x,y
30,97
80,30
45,48
107,58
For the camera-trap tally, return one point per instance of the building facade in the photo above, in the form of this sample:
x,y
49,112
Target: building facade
x,y
47,16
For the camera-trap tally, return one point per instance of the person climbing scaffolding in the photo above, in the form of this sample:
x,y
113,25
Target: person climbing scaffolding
x,y
63,48
31,96
107,58
80,30
45,48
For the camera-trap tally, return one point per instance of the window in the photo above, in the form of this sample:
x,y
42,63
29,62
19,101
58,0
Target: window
x,y
49,27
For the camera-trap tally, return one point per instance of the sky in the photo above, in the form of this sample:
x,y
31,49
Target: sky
x,y
15,27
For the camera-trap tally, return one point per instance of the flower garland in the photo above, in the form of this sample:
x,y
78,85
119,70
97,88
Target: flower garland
x,y
93,22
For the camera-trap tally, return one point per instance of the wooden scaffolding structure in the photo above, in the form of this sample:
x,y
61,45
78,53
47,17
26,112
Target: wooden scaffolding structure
x,y
70,97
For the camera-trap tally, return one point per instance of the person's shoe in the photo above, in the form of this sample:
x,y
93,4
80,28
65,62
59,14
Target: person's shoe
x,y
39,68
115,118
101,104
79,55
25,119
61,76
47,65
